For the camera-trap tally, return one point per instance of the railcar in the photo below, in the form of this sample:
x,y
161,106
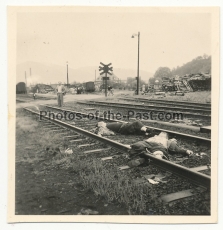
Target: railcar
x,y
89,86
21,88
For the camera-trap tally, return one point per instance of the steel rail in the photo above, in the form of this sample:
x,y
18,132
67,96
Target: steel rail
x,y
193,128
117,105
163,107
186,102
21,100
193,176
207,140
175,105
197,104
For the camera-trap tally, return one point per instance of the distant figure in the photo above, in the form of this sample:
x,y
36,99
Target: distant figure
x,y
79,90
60,92
110,90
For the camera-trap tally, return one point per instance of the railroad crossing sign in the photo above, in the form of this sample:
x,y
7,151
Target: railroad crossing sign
x,y
104,69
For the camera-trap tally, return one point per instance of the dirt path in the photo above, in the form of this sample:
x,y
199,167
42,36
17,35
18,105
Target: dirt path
x,y
55,192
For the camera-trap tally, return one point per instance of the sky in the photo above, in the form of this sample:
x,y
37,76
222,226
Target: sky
x,y
88,38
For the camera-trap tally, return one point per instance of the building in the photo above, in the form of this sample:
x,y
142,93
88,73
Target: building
x,y
114,81
112,78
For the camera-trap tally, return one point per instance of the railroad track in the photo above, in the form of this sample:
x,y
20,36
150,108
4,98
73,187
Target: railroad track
x,y
182,106
23,100
141,108
182,182
81,129
170,102
174,125
172,133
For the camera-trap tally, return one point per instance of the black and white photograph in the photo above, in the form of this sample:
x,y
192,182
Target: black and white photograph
x,y
113,111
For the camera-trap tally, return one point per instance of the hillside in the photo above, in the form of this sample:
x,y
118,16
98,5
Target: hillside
x,y
51,73
201,64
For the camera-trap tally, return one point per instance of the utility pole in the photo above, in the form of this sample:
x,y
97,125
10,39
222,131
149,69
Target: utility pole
x,y
106,85
67,75
137,78
30,84
95,76
138,65
25,79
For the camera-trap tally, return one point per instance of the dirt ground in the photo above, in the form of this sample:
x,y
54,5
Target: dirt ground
x,y
46,189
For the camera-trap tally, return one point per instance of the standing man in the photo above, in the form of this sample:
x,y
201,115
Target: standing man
x,y
110,90
60,92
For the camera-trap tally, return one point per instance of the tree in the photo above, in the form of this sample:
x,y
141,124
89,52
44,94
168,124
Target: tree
x,y
200,64
199,58
163,72
152,81
131,82
205,56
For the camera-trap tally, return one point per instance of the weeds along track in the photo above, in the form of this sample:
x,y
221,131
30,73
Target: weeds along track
x,y
181,104
156,109
111,152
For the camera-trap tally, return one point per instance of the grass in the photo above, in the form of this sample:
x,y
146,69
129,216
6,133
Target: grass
x,y
38,141
200,96
109,183
113,185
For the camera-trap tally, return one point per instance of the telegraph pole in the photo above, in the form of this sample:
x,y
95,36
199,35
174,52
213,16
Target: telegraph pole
x,y
25,79
138,65
137,78
67,76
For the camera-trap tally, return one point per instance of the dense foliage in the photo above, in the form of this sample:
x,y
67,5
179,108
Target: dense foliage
x,y
200,64
131,82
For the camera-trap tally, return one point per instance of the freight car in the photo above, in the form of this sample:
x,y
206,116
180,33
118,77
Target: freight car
x,y
21,88
89,86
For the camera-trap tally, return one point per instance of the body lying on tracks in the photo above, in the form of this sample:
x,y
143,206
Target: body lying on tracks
x,y
135,127
158,146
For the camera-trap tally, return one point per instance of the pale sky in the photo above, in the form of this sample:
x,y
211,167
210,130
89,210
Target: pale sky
x,y
86,39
